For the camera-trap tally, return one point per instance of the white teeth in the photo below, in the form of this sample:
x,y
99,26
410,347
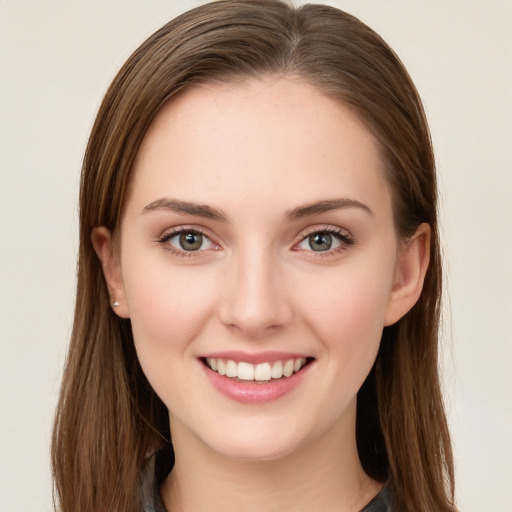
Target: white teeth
x,y
231,369
277,370
298,364
288,368
221,367
245,371
261,372
212,363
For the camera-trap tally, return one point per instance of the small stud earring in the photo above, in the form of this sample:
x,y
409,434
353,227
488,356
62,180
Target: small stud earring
x,y
115,304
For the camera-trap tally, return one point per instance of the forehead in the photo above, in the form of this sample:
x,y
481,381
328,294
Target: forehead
x,y
259,138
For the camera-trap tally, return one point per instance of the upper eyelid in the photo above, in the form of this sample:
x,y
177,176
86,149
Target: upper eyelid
x,y
325,228
184,229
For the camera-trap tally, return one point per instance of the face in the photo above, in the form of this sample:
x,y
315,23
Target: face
x,y
257,242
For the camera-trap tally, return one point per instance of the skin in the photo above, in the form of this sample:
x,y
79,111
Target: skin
x,y
256,152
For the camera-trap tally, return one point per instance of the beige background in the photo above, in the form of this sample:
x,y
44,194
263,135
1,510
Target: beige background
x,y
56,60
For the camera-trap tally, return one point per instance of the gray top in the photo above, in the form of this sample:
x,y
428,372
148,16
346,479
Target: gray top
x,y
152,501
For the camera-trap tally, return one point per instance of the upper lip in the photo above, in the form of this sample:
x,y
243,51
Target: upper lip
x,y
261,357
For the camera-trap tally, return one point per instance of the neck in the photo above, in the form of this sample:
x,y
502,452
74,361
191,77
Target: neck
x,y
326,475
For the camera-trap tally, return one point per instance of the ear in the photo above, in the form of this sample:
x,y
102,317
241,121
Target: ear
x,y
411,267
103,246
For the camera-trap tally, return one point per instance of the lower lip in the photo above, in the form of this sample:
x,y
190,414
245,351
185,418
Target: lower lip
x,y
252,392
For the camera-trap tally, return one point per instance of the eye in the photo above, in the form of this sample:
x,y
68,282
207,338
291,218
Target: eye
x,y
320,242
188,240
326,240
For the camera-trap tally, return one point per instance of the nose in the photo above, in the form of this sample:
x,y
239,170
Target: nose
x,y
255,301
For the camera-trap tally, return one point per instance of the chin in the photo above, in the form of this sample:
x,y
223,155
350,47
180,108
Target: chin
x,y
260,451
257,442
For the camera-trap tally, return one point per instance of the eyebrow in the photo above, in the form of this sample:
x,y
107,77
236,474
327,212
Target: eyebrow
x,y
325,206
198,210
207,212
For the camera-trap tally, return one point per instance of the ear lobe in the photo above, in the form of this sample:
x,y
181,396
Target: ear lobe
x,y
103,246
410,273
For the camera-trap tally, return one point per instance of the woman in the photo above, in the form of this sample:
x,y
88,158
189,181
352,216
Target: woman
x,y
259,276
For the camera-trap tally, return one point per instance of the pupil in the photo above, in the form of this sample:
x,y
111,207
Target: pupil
x,y
191,241
320,242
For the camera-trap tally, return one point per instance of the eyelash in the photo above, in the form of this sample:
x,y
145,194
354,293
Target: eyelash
x,y
345,239
166,237
341,235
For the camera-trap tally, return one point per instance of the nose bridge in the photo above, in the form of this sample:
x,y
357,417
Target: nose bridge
x,y
255,298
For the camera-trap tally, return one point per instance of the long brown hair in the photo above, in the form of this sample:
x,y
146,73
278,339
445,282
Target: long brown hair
x,y
109,419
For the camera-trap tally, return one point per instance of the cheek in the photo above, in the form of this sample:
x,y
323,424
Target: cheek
x,y
161,294
168,309
347,313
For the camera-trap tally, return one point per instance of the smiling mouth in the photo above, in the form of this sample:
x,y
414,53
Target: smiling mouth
x,y
259,373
